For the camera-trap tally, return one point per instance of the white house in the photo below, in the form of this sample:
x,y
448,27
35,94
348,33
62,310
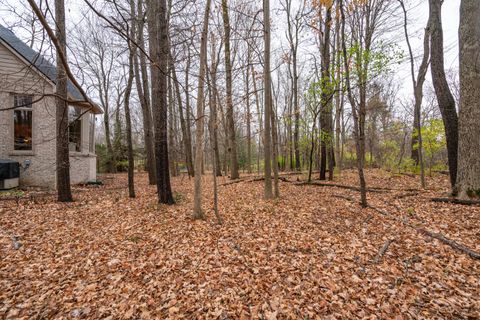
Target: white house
x,y
27,117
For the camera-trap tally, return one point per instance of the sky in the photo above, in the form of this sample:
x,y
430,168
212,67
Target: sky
x,y
417,16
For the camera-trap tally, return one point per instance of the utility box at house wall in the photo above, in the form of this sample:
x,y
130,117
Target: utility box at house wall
x,y
9,174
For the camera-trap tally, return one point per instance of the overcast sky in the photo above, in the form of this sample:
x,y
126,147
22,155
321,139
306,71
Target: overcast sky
x,y
417,16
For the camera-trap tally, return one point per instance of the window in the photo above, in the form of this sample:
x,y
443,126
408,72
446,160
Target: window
x,y
22,123
74,129
91,143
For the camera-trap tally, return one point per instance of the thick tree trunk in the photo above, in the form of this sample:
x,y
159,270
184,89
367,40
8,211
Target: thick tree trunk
x,y
157,21
199,133
267,87
445,98
468,183
63,155
228,72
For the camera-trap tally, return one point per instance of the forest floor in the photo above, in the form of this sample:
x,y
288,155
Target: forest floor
x,y
313,253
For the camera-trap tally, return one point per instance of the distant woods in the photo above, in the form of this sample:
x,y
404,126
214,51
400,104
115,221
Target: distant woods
x,y
288,86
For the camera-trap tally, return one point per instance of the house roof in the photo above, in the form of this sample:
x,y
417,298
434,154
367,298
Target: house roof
x,y
40,63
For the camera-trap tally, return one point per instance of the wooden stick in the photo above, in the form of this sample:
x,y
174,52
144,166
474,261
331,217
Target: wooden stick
x,y
383,250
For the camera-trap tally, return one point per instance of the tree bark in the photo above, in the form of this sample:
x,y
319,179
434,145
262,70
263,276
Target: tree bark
x,y
445,98
232,147
267,87
157,21
199,133
126,101
468,183
418,92
141,81
64,192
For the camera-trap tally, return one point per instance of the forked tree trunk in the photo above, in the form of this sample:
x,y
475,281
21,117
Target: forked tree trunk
x,y
199,133
468,184
64,192
418,92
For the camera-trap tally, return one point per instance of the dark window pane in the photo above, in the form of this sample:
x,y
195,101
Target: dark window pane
x,y
22,122
74,129
22,101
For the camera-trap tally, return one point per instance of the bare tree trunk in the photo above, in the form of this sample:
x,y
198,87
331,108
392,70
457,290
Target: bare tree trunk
x,y
468,183
357,122
418,91
157,20
325,115
126,101
275,152
267,87
247,99
64,192
446,102
171,129
213,94
197,200
260,122
228,71
141,80
188,142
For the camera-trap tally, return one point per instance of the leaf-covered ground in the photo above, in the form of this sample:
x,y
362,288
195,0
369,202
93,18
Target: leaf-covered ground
x,y
310,254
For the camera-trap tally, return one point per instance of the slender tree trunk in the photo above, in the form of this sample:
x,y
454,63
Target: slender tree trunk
x,y
171,129
275,152
325,127
357,122
64,192
188,143
267,87
261,134
199,133
141,81
468,180
418,92
213,94
128,121
247,99
445,99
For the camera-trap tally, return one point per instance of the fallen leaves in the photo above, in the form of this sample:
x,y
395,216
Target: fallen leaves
x,y
306,255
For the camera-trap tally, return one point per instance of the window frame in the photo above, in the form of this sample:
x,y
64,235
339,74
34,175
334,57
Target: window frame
x,y
23,108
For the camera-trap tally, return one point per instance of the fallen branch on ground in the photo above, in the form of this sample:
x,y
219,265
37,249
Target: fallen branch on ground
x,y
337,185
455,245
457,201
382,251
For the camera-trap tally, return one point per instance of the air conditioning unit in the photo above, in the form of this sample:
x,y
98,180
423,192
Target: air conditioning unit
x,y
9,174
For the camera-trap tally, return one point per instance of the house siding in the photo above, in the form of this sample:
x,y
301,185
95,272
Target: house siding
x,y
18,78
